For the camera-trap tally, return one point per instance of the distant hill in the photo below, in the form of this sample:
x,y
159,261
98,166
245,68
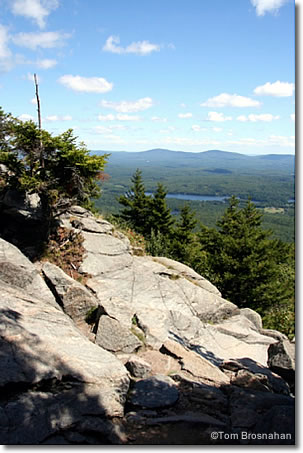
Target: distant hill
x,y
206,160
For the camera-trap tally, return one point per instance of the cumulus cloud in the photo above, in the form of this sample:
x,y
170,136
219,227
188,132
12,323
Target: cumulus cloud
x,y
109,129
141,48
185,115
46,63
267,6
26,117
276,89
45,40
158,119
265,117
52,118
230,100
37,10
86,84
128,106
272,140
5,53
219,117
119,117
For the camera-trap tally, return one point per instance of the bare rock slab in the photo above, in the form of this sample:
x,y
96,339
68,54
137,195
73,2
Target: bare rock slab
x,y
18,272
114,337
154,392
74,297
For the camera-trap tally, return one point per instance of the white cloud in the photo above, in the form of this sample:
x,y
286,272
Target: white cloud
x,y
168,130
46,63
217,129
219,117
272,140
37,10
185,115
25,117
86,84
124,117
52,118
119,117
108,117
129,106
157,119
265,117
141,48
5,53
45,40
293,117
270,6
4,38
277,89
230,100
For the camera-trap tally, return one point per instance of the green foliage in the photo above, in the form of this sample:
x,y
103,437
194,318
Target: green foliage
x,y
158,244
182,237
160,219
249,268
92,315
136,204
146,213
56,168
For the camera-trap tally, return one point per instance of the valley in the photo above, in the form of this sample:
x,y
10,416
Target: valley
x,y
193,178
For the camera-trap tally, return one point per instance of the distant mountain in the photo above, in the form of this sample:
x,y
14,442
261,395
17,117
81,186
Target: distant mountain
x,y
206,160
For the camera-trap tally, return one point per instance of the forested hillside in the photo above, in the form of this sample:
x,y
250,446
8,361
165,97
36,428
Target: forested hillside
x,y
268,180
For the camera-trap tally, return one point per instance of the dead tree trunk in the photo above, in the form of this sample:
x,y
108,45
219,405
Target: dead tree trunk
x,y
39,123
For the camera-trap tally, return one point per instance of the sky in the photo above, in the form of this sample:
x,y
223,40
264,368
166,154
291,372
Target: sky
x,y
135,75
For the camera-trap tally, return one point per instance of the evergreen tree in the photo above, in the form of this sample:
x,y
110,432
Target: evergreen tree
x,y
137,205
68,172
243,261
182,239
160,219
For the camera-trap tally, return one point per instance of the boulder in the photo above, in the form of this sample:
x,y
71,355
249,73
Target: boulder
x,y
201,369
160,363
75,299
114,337
281,360
138,367
154,392
253,316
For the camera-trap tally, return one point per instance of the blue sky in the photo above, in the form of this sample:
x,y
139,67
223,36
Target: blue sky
x,y
135,75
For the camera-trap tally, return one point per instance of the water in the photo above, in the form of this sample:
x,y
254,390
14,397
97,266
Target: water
x,y
187,196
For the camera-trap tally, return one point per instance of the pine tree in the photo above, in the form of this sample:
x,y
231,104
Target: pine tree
x,y
243,261
160,218
183,239
137,205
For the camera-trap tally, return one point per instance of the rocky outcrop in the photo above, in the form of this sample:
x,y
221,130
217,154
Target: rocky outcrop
x,y
52,377
70,351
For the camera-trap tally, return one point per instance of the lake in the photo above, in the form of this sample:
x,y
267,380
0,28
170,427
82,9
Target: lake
x,y
187,196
